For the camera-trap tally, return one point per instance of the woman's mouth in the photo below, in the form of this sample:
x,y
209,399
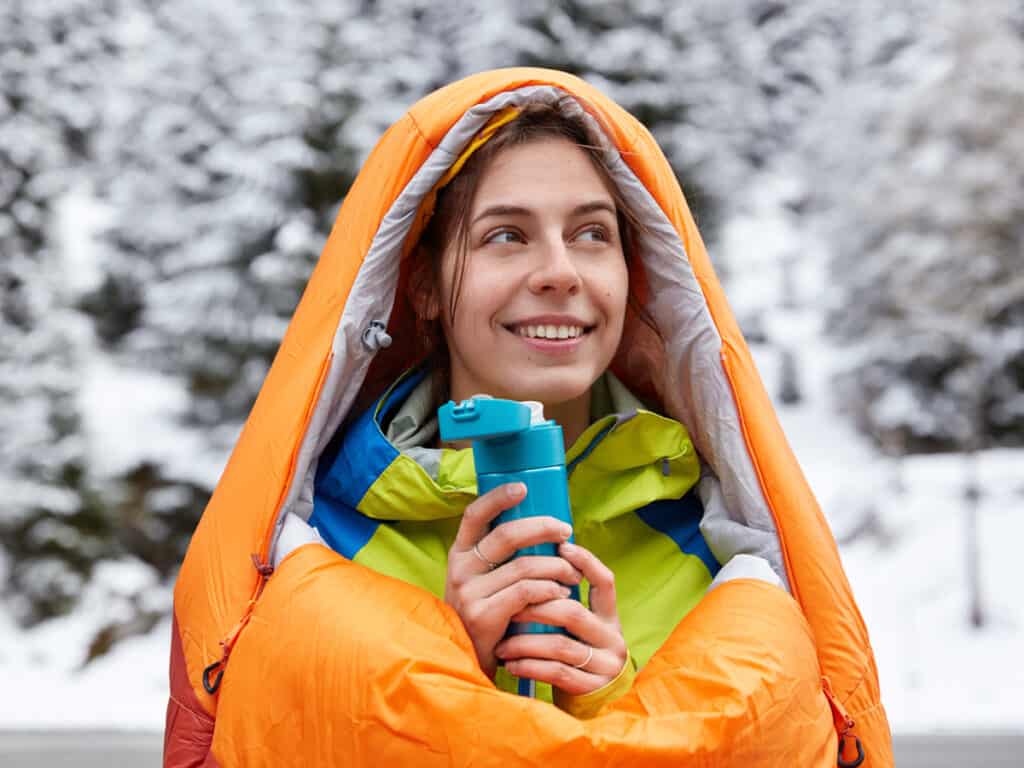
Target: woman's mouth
x,y
548,331
550,337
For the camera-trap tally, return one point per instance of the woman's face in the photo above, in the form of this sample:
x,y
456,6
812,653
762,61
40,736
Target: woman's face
x,y
544,288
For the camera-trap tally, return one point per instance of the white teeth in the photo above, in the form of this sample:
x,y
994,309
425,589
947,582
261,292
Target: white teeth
x,y
550,331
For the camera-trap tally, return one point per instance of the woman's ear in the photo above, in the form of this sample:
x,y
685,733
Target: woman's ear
x,y
424,294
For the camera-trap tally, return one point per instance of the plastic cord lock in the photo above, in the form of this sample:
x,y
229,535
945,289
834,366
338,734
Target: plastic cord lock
x,y
376,337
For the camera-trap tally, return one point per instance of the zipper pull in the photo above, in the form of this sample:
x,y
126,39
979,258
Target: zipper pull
x,y
844,725
214,673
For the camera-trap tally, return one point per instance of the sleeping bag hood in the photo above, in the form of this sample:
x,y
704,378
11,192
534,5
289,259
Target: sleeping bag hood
x,y
322,661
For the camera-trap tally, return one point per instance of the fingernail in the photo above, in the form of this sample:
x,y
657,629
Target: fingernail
x,y
567,547
566,531
515,490
566,591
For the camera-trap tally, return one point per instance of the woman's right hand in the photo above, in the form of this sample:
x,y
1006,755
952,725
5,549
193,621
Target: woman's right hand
x,y
487,589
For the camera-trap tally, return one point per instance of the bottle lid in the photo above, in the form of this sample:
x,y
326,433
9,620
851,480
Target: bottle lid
x,y
482,418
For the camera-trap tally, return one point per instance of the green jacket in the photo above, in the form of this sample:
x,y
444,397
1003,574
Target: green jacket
x,y
386,499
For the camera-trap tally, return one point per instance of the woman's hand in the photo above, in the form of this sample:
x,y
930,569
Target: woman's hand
x,y
484,589
576,666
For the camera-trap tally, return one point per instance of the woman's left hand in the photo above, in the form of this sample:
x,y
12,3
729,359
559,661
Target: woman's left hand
x,y
562,661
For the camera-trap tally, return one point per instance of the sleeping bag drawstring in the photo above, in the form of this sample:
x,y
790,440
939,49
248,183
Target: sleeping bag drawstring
x,y
376,337
844,724
264,570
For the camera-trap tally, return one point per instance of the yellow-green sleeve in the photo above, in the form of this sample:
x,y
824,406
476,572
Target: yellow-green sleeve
x,y
587,705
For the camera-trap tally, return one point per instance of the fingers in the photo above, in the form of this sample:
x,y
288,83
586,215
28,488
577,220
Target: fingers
x,y
602,581
572,616
573,681
562,649
596,652
599,626
508,538
555,569
532,589
478,515
486,619
495,611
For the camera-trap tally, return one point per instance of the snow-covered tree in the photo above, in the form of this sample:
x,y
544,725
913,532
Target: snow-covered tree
x,y
926,209
52,56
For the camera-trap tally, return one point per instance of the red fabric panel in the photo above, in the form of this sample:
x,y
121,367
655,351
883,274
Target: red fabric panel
x,y
188,731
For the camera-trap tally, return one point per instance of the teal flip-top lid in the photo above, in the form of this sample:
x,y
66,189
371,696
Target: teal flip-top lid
x,y
503,438
482,417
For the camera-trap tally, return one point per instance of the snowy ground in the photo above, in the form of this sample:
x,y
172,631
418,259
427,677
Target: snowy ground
x,y
907,572
45,686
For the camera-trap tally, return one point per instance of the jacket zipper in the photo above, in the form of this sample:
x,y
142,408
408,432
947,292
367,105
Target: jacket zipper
x,y
617,419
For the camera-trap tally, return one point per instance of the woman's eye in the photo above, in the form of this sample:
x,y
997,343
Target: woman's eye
x,y
595,233
504,236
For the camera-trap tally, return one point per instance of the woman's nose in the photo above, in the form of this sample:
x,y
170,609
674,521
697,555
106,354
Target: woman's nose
x,y
555,270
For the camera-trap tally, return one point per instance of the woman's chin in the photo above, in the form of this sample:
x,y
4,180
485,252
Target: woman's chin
x,y
554,391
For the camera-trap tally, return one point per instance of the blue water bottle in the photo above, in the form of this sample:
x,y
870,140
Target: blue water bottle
x,y
512,442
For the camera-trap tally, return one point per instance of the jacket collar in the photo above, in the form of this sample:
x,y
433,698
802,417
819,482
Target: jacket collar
x,y
389,451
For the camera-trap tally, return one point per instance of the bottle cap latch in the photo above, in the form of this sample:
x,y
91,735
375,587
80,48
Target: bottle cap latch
x,y
536,412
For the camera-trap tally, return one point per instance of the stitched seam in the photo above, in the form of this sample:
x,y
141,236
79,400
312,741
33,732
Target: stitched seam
x,y
198,715
419,130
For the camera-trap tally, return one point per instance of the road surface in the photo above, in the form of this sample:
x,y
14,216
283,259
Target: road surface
x,y
98,749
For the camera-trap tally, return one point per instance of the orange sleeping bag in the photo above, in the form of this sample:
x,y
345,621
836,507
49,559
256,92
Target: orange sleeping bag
x,y
323,661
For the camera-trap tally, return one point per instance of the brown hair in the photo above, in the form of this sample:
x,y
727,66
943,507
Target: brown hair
x,y
422,270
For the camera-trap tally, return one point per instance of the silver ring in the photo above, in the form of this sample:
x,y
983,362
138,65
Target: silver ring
x,y
476,551
590,655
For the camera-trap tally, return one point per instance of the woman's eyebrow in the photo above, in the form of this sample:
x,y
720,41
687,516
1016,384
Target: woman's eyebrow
x,y
516,210
597,205
502,210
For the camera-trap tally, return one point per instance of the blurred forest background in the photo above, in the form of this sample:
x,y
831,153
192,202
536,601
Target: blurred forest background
x,y
169,170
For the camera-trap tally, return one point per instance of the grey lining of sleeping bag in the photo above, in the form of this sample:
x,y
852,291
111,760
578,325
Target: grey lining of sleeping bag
x,y
737,519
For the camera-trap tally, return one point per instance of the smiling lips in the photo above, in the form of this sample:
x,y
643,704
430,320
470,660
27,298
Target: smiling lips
x,y
560,336
550,331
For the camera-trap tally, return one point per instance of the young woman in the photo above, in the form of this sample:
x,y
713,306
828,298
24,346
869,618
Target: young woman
x,y
520,284
516,234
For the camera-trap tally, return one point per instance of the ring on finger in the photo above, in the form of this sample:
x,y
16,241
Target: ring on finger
x,y
590,655
491,565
